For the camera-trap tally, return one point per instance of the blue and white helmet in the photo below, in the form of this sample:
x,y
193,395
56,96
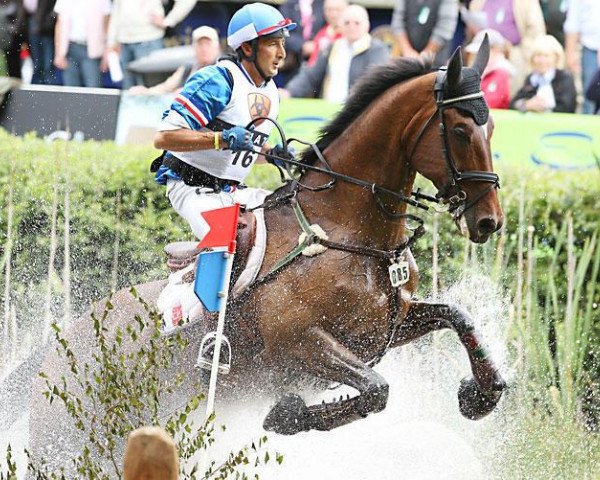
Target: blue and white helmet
x,y
253,21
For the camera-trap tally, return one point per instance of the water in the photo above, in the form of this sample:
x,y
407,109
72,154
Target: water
x,y
420,435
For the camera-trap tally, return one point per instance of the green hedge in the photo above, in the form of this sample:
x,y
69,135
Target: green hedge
x,y
97,173
113,196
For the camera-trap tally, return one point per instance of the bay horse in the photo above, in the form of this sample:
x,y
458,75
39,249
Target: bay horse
x,y
334,315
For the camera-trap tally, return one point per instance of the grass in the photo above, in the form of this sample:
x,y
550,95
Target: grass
x,y
541,446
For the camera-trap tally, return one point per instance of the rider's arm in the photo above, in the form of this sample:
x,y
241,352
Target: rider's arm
x,y
203,97
186,140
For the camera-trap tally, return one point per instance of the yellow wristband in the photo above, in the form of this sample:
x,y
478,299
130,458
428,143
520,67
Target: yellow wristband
x,y
217,140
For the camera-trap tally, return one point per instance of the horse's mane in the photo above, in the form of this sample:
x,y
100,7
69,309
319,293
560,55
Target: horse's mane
x,y
376,81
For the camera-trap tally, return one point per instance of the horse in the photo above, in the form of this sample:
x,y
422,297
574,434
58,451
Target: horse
x,y
333,316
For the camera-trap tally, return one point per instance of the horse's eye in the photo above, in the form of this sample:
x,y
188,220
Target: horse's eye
x,y
461,133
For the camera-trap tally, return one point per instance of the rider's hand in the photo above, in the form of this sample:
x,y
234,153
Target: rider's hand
x,y
279,151
238,138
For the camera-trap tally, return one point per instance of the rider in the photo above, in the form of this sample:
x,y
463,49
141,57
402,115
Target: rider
x,y
204,133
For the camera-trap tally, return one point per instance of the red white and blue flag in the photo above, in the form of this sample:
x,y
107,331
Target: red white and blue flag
x,y
211,269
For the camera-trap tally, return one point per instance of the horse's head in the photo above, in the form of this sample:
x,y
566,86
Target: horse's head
x,y
456,156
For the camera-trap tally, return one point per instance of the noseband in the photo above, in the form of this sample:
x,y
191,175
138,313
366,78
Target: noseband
x,y
452,193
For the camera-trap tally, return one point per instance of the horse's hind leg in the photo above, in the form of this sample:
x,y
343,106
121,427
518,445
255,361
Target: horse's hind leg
x,y
479,395
321,355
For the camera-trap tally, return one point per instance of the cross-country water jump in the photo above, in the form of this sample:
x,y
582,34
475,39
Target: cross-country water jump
x,y
335,289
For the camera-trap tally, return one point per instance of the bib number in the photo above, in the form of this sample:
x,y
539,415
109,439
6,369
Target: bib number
x,y
247,158
399,273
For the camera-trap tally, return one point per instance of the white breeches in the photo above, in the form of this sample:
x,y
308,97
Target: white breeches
x,y
190,202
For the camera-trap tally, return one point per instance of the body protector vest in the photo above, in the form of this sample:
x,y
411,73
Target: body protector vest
x,y
247,103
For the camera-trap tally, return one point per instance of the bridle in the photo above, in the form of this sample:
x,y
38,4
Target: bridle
x,y
451,193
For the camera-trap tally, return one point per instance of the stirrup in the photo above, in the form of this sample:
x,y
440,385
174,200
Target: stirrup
x,y
206,351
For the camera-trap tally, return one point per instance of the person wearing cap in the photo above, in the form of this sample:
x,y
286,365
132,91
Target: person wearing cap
x,y
208,151
136,29
206,50
496,78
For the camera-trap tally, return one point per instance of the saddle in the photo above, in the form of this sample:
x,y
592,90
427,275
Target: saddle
x,y
181,254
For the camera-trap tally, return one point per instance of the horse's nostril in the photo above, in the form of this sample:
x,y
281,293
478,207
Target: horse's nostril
x,y
486,226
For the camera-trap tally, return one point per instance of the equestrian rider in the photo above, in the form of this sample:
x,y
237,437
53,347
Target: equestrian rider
x,y
203,133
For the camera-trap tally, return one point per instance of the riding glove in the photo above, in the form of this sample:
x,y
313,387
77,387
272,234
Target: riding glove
x,y
238,138
281,152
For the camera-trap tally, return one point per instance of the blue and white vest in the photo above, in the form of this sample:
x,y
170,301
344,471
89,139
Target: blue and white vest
x,y
217,97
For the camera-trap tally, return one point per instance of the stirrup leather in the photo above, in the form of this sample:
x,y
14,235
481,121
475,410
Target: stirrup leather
x,y
206,352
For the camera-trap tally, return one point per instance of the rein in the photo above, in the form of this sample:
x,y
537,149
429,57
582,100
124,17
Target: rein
x,y
373,187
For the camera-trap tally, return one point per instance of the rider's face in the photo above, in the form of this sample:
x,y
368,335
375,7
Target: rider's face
x,y
270,55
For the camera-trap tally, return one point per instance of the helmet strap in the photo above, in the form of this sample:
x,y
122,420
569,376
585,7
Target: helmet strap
x,y
252,58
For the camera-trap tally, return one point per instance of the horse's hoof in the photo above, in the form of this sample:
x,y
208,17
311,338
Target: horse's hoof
x,y
289,416
473,402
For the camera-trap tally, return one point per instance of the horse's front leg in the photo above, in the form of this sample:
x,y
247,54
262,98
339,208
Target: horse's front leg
x,y
479,395
321,355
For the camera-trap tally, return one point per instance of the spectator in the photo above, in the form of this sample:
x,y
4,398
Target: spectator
x,y
555,13
309,16
519,21
425,27
338,68
137,28
332,9
12,34
582,29
496,78
150,455
206,49
40,32
80,40
593,91
548,88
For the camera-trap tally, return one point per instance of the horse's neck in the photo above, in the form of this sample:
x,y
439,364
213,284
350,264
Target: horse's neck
x,y
371,149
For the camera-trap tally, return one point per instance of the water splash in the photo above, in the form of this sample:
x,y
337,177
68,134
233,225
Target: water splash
x,y
420,435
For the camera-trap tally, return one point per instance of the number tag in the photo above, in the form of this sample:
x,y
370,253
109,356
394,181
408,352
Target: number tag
x,y
399,273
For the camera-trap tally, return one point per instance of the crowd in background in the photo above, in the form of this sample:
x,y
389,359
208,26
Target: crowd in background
x,y
542,51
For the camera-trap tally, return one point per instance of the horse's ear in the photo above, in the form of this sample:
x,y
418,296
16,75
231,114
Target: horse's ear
x,y
454,68
483,55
